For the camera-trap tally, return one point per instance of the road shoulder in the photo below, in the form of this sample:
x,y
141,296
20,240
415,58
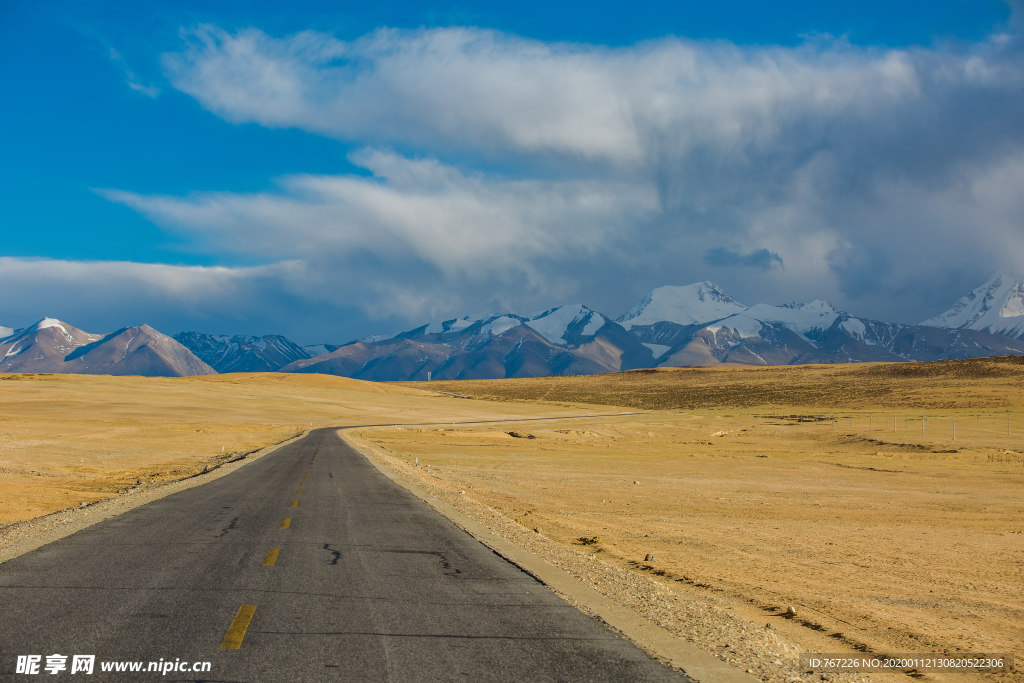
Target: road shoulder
x,y
657,641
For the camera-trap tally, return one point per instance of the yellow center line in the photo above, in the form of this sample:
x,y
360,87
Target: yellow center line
x,y
294,504
299,491
286,523
271,557
233,638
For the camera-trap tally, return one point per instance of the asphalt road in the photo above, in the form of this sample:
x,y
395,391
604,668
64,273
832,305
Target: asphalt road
x,y
369,584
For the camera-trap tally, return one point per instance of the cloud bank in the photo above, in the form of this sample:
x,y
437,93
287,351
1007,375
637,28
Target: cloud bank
x,y
502,171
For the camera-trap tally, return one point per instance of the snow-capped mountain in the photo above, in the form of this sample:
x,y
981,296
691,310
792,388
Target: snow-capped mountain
x,y
566,325
668,316
42,345
816,332
316,349
698,324
6,331
562,325
701,302
996,307
564,340
243,354
54,346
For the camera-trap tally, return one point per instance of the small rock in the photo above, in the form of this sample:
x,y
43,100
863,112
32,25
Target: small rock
x,y
777,662
767,625
83,504
791,611
649,558
636,483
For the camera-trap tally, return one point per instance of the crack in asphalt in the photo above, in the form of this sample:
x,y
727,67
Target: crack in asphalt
x,y
334,553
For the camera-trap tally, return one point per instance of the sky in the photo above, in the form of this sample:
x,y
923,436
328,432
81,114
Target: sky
x,y
331,170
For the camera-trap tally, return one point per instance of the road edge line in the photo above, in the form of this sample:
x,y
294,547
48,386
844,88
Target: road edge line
x,y
693,661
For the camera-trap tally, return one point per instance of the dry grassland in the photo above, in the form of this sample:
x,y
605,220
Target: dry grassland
x,y
68,439
882,538
990,383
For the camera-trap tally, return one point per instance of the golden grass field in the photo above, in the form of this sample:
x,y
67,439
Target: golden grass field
x,y
880,536
65,439
989,383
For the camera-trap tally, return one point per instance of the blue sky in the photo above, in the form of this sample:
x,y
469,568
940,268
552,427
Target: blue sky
x,y
339,169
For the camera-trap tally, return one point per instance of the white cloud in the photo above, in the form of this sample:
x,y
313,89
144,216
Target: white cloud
x,y
116,285
418,211
484,91
885,180
487,93
827,154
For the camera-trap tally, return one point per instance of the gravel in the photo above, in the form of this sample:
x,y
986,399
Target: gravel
x,y
702,620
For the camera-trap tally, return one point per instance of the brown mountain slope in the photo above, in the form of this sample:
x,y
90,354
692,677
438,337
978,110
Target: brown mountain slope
x,y
53,346
481,352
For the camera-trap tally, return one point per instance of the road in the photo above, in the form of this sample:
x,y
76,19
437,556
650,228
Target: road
x,y
368,584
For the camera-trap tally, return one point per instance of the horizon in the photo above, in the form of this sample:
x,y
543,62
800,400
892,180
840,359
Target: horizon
x,y
331,174
478,317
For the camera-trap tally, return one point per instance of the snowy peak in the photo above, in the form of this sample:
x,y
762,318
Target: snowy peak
x,y
701,302
441,327
446,326
565,323
50,332
499,325
44,324
561,325
801,318
1014,305
996,307
54,346
317,349
807,320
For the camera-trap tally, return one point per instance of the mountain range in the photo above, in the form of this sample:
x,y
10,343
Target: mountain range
x,y
564,340
997,307
697,324
243,354
53,346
